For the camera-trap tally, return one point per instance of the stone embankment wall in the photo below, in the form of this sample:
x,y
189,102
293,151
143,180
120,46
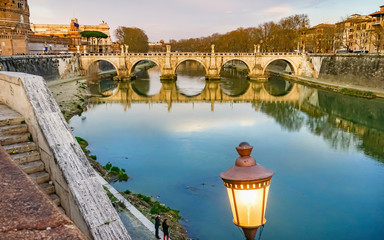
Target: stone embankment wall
x,y
362,69
82,197
50,67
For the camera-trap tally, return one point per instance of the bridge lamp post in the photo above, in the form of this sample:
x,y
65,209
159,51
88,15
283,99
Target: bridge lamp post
x,y
247,185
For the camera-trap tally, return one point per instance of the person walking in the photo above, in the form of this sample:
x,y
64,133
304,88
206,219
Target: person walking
x,y
165,229
157,225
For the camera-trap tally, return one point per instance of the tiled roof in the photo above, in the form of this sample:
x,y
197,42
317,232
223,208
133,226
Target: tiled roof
x,y
376,13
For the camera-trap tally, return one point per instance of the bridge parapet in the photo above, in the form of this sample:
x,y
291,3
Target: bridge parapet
x,y
196,54
212,62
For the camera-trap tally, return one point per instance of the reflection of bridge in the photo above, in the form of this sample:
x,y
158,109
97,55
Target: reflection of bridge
x,y
212,93
212,62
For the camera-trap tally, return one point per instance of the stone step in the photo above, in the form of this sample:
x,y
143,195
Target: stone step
x,y
11,119
13,129
32,167
9,116
47,188
26,157
39,177
12,139
20,147
55,199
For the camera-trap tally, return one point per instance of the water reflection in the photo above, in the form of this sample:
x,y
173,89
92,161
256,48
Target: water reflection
x,y
314,139
233,80
212,92
104,87
277,86
343,121
190,78
147,78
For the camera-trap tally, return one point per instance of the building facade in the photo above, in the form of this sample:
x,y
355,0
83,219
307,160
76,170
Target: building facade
x,y
72,32
378,29
358,33
14,27
16,36
355,33
319,39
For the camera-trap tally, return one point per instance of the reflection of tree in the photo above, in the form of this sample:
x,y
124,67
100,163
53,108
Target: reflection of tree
x,y
277,86
338,138
285,114
373,143
336,121
348,121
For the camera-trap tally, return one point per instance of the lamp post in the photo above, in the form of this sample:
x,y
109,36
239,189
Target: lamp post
x,y
247,184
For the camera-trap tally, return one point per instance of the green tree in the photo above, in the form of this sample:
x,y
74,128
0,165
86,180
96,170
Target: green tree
x,y
272,36
134,37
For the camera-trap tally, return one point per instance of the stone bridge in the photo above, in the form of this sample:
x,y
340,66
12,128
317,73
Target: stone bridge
x,y
212,62
255,93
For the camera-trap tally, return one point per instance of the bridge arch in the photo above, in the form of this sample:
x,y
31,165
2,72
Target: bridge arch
x,y
94,61
291,64
134,63
236,59
194,60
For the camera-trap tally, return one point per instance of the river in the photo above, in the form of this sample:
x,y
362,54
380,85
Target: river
x,y
175,138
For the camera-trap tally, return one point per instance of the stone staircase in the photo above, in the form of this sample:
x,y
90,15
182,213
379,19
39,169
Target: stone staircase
x,y
17,141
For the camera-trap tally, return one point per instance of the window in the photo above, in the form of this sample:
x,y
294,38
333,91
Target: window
x,y
20,4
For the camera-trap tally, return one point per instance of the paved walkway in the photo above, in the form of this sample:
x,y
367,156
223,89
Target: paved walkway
x,y
317,82
138,226
25,211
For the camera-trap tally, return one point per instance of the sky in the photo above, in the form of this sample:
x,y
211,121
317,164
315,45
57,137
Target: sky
x,y
182,19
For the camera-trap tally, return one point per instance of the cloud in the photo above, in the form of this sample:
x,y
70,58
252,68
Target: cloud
x,y
278,10
41,12
201,125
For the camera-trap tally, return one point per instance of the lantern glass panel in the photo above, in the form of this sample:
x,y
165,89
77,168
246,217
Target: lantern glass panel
x,y
247,207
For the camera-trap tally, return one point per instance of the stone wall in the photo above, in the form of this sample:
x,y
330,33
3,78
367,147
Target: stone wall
x,y
364,69
50,67
83,198
13,44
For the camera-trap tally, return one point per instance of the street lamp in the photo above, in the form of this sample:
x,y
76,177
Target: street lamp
x,y
248,186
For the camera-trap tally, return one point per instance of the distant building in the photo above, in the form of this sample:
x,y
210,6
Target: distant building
x,y
156,46
355,33
16,36
72,31
318,39
14,27
378,28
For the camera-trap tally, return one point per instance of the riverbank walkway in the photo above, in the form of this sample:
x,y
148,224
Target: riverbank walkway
x,y
26,212
323,83
138,226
